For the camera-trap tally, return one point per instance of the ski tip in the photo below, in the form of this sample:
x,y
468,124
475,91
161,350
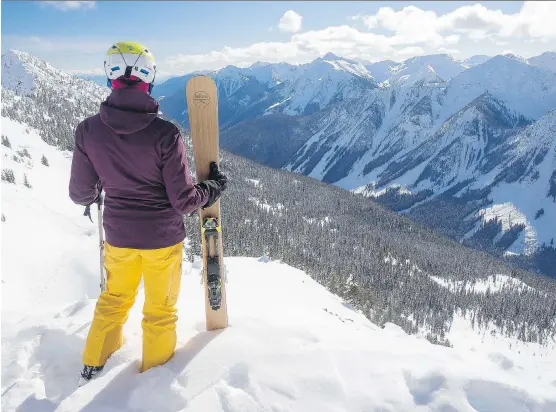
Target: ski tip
x,y
201,79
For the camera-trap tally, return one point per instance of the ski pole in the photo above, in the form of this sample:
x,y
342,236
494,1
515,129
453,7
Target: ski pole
x,y
101,243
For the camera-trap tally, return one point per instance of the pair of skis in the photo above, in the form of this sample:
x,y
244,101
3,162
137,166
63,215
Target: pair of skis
x,y
202,104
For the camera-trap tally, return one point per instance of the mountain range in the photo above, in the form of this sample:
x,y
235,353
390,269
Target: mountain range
x,y
465,146
385,265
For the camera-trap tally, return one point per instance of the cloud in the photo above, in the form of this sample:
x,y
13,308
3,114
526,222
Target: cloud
x,y
290,22
302,47
387,34
37,45
408,52
476,22
69,5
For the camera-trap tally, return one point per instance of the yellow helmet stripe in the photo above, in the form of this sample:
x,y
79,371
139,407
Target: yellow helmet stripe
x,y
130,47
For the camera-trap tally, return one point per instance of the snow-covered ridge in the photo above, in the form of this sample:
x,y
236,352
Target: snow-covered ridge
x,y
522,197
16,76
45,98
23,73
525,89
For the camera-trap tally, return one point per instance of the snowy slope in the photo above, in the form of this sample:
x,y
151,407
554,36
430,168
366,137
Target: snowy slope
x,y
322,81
547,60
290,346
444,65
46,98
422,136
525,89
17,76
382,70
23,73
522,184
475,60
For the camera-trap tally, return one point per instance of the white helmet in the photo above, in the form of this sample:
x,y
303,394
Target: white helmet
x,y
126,59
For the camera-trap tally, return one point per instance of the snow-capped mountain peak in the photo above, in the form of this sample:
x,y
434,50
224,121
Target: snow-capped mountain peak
x,y
475,60
525,89
444,65
16,74
23,72
259,64
426,75
331,56
516,57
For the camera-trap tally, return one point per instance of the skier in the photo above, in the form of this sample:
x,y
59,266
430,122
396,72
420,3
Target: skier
x,y
139,161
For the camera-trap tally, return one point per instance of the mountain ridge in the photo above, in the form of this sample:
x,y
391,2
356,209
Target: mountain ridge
x,y
399,271
365,138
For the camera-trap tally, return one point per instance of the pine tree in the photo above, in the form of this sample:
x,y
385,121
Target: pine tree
x,y
44,161
26,181
6,142
24,153
8,176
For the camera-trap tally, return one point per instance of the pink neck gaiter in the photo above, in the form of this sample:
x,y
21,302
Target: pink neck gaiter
x,y
119,84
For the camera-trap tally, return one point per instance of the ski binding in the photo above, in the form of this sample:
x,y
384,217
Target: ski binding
x,y
211,229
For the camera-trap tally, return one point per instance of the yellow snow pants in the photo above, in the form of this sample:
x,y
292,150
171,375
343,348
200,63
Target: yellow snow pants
x,y
161,271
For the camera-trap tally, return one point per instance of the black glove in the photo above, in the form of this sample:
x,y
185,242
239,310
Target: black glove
x,y
214,185
218,176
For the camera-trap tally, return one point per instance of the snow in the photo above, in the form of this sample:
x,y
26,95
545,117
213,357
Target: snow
x,y
36,218
509,216
290,346
265,206
370,192
16,75
493,284
444,65
254,182
475,60
381,71
322,222
532,94
547,60
518,202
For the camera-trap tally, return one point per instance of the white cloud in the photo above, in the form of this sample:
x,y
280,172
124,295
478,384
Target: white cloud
x,y
290,22
388,34
477,22
410,32
37,45
302,47
69,5
408,52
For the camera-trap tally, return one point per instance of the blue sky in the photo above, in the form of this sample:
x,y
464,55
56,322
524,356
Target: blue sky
x,y
187,36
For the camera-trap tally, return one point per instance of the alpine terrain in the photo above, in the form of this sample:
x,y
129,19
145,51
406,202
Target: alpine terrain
x,y
335,303
466,147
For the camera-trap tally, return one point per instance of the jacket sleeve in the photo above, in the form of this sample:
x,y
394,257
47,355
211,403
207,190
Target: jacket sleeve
x,y
84,185
184,196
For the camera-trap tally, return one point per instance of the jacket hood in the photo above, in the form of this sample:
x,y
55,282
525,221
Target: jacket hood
x,y
128,110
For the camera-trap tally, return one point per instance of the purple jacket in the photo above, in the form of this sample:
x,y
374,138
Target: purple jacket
x,y
139,160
